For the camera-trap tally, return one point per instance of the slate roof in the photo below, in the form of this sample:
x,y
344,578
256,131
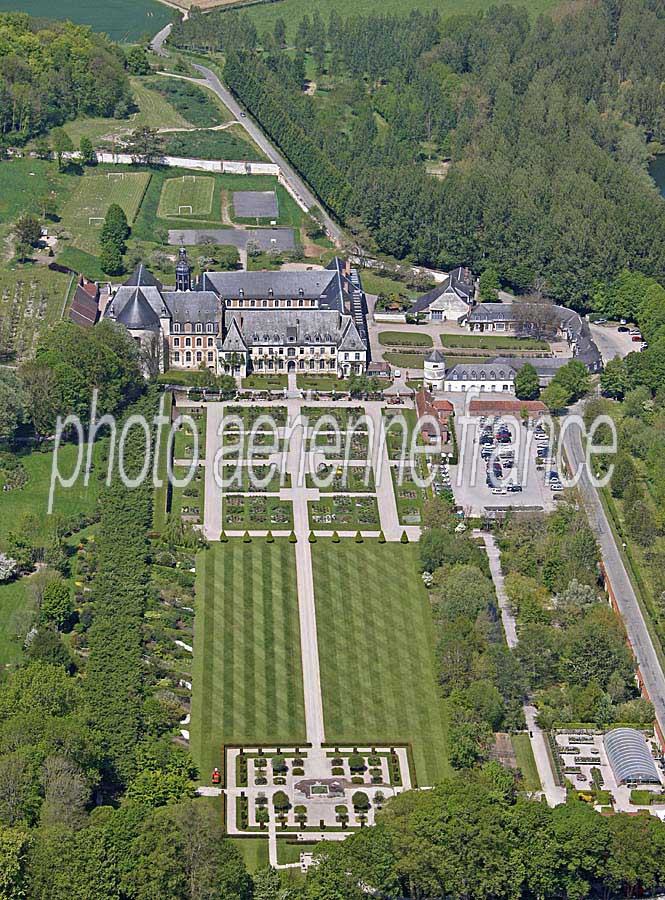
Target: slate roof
x,y
492,312
137,313
351,340
435,356
495,370
457,281
193,306
322,285
543,365
84,309
142,277
310,326
233,342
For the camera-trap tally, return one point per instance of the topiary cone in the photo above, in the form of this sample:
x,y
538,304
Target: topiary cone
x,y
223,538
312,537
404,539
292,538
246,539
269,538
382,537
359,538
335,538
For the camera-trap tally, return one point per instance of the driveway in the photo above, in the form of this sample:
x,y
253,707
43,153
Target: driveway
x,y
611,342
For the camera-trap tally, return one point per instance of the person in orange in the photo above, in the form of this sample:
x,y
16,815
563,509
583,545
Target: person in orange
x,y
216,777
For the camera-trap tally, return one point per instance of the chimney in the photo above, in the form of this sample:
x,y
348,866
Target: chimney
x,y
347,267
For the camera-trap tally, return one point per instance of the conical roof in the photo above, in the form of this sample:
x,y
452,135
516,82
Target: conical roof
x,y
436,357
142,277
137,313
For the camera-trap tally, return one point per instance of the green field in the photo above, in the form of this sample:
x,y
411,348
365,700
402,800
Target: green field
x,y
91,199
32,299
526,762
229,143
153,110
247,678
405,339
189,195
14,603
197,105
264,15
122,20
378,679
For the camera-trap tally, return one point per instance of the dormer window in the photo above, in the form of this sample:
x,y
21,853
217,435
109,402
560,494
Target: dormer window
x,y
188,326
176,327
210,327
199,326
270,292
241,292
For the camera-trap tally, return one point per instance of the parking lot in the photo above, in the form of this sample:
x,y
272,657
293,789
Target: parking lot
x,y
504,463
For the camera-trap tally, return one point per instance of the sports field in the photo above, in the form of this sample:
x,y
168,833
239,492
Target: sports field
x,y
88,203
188,195
376,651
247,678
122,20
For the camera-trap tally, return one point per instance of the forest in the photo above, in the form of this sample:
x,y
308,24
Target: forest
x,y
51,72
547,125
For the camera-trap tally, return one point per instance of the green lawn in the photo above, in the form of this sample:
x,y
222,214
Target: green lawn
x,y
33,498
376,648
247,677
322,383
378,284
526,762
405,339
406,360
491,342
254,851
265,382
14,599
189,195
197,105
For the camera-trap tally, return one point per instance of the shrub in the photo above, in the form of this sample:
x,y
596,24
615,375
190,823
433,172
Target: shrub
x,y
300,812
262,816
375,771
246,538
312,538
337,761
297,770
223,538
279,779
376,779
404,539
342,812
278,763
379,798
292,538
382,537
335,538
297,761
356,762
260,762
357,779
360,801
269,538
359,538
374,760
260,779
280,801
337,770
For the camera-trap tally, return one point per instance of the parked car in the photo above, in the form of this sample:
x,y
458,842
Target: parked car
x,y
623,329
556,486
636,338
515,488
499,490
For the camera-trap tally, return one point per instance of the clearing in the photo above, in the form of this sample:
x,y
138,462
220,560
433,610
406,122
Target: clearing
x,y
376,648
188,195
31,300
84,211
247,678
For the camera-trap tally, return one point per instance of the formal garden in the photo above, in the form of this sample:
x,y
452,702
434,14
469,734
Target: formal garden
x,y
256,512
344,513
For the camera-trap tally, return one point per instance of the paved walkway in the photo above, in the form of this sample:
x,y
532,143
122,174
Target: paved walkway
x,y
551,789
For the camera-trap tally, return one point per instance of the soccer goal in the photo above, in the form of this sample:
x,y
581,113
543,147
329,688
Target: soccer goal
x,y
95,220
120,175
189,177
185,211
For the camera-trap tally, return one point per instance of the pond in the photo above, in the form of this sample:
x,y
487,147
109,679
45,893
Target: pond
x,y
122,20
657,172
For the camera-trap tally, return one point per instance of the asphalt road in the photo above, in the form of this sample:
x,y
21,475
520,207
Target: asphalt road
x,y
296,182
636,629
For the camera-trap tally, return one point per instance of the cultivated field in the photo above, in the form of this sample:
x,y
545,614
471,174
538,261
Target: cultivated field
x,y
189,195
122,20
31,300
264,15
84,211
247,678
376,647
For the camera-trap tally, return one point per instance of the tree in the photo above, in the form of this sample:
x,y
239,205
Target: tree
x,y
48,206
267,885
28,230
624,473
360,801
65,794
614,378
527,384
535,317
137,61
8,567
56,608
279,32
281,801
110,259
61,143
14,854
86,151
115,228
555,396
13,404
488,286
144,145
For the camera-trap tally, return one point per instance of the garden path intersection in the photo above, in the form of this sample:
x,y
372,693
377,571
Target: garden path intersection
x,y
297,462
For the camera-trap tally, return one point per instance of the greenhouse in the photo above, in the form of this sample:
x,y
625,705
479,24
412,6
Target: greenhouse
x,y
630,757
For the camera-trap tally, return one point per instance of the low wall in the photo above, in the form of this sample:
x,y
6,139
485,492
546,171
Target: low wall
x,y
226,166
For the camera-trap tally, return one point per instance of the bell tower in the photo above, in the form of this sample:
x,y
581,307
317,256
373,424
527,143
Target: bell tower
x,y
183,272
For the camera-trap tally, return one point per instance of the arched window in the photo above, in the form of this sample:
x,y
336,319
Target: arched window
x,y
176,327
199,342
176,342
199,326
